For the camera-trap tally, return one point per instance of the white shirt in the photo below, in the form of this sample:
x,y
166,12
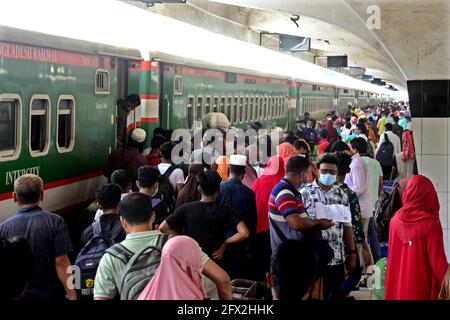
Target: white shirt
x,y
358,181
99,212
176,177
394,139
375,172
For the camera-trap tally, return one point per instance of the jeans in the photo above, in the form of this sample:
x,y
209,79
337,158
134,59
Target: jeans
x,y
374,243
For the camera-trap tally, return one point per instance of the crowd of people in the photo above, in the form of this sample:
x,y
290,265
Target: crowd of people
x,y
304,221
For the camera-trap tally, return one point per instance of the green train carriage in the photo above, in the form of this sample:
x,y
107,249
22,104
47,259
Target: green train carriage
x,y
58,107
57,114
179,95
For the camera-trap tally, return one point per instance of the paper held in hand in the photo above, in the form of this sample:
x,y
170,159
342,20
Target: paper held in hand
x,y
335,212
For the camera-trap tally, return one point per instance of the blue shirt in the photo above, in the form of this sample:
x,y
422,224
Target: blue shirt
x,y
48,236
242,199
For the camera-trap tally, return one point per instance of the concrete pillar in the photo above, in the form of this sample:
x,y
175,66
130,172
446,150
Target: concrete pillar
x,y
430,110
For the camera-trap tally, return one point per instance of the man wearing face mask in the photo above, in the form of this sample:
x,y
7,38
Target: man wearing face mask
x,y
288,219
324,192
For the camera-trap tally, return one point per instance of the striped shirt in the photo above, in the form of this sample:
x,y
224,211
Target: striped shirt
x,y
284,201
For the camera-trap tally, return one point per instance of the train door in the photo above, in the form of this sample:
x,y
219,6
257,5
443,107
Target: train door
x,y
122,92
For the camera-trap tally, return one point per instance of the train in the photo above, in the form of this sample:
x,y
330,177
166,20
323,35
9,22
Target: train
x,y
58,106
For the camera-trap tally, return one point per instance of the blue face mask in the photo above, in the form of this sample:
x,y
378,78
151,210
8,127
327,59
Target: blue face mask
x,y
327,179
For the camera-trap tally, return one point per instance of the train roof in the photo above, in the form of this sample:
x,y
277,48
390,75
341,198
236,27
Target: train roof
x,y
121,26
33,38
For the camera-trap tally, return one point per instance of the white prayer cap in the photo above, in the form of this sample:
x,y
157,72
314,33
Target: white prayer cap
x,y
238,160
138,135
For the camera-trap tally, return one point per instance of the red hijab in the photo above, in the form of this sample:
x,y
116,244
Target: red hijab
x,y
416,261
419,215
262,187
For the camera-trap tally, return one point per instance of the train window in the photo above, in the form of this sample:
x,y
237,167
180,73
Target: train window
x,y
266,107
250,108
215,104
207,105
274,108
246,109
345,91
270,109
228,110
261,106
282,100
222,105
277,107
199,109
102,81
65,126
39,130
235,110
241,109
190,112
10,126
178,86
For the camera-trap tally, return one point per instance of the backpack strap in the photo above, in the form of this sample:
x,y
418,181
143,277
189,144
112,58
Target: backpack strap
x,y
116,230
169,171
97,228
162,239
120,252
386,138
278,231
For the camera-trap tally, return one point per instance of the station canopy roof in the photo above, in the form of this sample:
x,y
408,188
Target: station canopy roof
x,y
116,23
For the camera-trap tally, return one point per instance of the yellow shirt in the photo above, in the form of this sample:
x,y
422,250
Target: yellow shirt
x,y
380,125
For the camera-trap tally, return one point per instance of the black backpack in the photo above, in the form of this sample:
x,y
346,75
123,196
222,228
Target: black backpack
x,y
140,267
166,191
385,209
385,154
89,258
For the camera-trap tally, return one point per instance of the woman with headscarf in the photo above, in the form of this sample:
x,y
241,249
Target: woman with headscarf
x,y
189,192
262,188
405,164
286,151
179,275
417,265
